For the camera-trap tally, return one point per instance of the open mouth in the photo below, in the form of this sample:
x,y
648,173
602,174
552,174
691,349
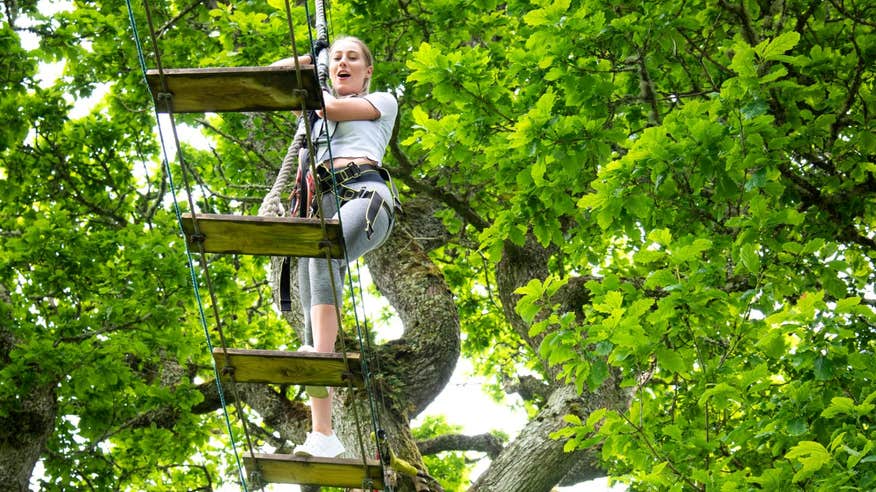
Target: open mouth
x,y
343,75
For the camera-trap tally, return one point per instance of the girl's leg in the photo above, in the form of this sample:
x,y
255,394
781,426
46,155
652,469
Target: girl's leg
x,y
325,323
304,295
324,315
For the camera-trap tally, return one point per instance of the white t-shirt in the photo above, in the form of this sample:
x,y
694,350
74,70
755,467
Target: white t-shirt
x,y
359,138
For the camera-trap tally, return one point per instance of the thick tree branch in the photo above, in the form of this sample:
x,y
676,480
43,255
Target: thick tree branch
x,y
423,359
528,387
521,465
485,443
27,422
647,91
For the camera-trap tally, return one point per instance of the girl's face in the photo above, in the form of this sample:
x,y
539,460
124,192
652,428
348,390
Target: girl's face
x,y
349,70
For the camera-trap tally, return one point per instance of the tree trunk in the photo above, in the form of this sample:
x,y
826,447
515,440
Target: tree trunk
x,y
409,372
25,429
23,436
534,462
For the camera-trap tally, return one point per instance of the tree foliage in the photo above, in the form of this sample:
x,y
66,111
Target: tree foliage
x,y
655,221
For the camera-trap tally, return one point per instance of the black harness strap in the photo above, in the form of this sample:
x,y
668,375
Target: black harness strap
x,y
357,172
349,172
286,285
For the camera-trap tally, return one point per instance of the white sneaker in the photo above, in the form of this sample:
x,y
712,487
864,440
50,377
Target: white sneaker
x,y
320,445
314,391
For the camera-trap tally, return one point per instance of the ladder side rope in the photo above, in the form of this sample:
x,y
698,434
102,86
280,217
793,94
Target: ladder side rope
x,y
291,30
331,266
321,33
337,304
322,70
166,96
205,268
271,204
367,350
172,186
321,63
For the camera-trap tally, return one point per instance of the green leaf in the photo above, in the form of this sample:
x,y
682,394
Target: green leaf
x,y
839,406
528,305
771,479
750,258
671,360
570,446
721,395
811,455
660,278
595,417
611,302
660,236
743,63
778,46
797,427
773,344
686,252
823,368
757,180
598,374
639,205
846,305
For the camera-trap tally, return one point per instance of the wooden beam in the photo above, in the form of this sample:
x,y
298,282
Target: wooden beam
x,y
273,236
328,472
283,367
200,90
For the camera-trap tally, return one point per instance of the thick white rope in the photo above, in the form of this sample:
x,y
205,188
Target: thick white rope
x,y
272,205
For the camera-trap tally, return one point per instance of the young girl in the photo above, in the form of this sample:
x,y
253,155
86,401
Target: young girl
x,y
350,137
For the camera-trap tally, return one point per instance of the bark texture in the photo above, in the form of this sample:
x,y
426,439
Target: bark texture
x,y
533,462
25,430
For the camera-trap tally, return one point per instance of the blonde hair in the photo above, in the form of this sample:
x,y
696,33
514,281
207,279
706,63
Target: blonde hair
x,y
366,53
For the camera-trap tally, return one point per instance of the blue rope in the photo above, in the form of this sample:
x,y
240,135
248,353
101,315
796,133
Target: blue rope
x,y
189,260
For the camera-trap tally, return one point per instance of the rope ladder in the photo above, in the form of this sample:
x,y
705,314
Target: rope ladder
x,y
271,233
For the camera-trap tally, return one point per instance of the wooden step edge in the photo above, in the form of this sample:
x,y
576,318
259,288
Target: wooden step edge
x,y
286,367
235,89
263,236
328,472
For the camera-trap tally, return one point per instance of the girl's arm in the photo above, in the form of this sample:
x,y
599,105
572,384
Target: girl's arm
x,y
348,108
290,61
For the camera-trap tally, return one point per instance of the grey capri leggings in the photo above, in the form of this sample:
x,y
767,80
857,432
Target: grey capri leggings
x,y
314,280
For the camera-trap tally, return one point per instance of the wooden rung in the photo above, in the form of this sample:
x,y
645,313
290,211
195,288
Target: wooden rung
x,y
199,90
275,236
282,367
329,472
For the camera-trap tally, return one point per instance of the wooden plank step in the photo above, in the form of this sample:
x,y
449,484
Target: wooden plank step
x,y
283,367
329,472
274,236
199,90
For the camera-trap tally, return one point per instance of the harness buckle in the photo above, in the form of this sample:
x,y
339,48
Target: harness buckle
x,y
351,171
